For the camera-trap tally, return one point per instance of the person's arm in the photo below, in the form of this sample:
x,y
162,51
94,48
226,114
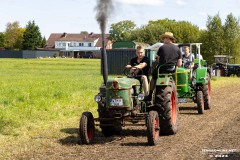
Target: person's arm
x,y
192,64
179,62
192,61
130,65
141,65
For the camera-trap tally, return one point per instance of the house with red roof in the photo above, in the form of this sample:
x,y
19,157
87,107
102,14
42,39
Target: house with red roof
x,y
78,45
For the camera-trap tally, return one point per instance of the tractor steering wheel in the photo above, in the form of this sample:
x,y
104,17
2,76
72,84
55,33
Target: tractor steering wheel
x,y
127,72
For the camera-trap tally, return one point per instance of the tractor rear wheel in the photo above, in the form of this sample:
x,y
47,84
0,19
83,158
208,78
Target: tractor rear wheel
x,y
167,98
200,102
153,128
207,93
86,128
238,73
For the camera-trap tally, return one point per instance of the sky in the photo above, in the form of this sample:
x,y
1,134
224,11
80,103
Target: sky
x,y
74,16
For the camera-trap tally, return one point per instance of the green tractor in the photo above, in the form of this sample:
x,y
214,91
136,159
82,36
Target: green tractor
x,y
121,103
197,88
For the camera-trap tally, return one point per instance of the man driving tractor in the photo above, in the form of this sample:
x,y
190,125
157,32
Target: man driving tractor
x,y
141,63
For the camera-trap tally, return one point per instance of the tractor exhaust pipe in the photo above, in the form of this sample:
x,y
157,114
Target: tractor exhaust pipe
x,y
103,8
104,61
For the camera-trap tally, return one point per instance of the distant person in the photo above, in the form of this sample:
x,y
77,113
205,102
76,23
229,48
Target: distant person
x,y
168,55
142,63
187,58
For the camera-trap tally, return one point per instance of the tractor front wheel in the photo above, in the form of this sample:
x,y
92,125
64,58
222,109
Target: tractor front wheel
x,y
153,128
86,128
200,102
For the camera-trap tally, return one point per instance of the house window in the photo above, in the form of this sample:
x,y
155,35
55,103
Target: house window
x,y
64,44
89,44
81,44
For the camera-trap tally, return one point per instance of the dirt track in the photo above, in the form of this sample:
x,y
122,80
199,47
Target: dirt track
x,y
215,133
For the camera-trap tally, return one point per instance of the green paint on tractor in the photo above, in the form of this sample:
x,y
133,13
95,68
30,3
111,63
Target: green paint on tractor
x,y
119,89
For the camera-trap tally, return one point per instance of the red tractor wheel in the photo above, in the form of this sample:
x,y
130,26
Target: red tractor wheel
x,y
153,128
167,98
200,102
86,128
207,93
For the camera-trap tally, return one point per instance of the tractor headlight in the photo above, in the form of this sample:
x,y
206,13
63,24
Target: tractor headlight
x,y
97,98
141,97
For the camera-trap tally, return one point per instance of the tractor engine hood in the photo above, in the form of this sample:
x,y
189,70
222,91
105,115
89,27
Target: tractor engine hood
x,y
121,83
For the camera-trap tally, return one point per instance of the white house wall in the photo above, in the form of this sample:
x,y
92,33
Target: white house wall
x,y
76,45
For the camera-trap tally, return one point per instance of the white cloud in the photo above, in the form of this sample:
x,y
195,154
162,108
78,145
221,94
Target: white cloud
x,y
142,2
181,2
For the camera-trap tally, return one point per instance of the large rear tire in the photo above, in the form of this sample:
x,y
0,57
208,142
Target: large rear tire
x,y
167,98
238,73
153,128
200,102
207,93
86,128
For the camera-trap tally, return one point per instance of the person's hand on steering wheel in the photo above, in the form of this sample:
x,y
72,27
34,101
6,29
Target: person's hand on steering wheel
x,y
133,71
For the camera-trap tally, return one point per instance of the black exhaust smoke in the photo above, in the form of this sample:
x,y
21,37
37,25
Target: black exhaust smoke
x,y
104,8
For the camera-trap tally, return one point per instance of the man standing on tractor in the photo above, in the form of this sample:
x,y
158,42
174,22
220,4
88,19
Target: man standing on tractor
x,y
169,56
141,63
187,58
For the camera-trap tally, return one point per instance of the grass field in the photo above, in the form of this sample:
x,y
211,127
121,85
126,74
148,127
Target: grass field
x,y
40,97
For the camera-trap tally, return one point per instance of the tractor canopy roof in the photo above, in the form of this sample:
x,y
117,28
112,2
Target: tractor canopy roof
x,y
223,58
189,44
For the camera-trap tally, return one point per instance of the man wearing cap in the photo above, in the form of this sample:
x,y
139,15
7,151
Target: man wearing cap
x,y
170,56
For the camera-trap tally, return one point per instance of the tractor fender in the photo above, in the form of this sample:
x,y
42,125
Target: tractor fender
x,y
163,79
201,75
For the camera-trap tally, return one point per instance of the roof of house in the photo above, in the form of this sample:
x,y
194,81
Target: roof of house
x,y
79,37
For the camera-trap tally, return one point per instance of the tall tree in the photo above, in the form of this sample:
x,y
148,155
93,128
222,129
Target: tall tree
x,y
213,38
121,31
44,42
183,31
2,40
13,35
32,38
231,35
149,33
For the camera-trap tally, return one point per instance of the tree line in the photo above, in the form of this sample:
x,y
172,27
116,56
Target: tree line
x,y
17,38
218,38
